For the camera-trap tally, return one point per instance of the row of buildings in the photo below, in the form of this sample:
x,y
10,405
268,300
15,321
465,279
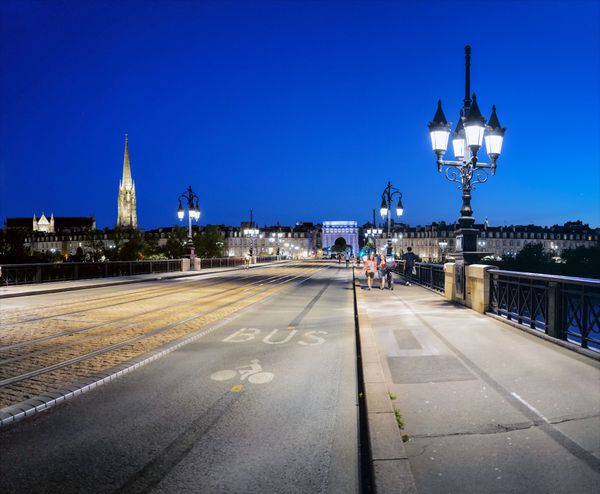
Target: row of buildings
x,y
432,242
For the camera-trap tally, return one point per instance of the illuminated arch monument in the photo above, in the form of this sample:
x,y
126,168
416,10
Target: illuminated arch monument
x,y
348,230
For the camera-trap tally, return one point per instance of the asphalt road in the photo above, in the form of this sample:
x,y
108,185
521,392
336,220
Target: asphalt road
x,y
266,403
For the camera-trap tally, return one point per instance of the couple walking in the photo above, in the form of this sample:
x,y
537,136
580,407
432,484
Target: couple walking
x,y
378,264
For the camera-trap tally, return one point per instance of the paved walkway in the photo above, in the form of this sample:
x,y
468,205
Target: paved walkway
x,y
486,407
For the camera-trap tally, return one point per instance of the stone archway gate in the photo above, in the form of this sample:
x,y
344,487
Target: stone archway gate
x,y
348,230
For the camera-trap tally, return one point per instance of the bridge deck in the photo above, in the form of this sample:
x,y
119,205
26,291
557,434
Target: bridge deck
x,y
486,407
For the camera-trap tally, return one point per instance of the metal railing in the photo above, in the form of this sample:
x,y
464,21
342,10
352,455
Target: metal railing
x,y
427,274
224,262
18,274
560,306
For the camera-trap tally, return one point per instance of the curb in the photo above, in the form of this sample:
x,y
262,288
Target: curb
x,y
389,461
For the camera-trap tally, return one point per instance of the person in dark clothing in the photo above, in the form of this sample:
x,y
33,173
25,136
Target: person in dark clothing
x,y
409,264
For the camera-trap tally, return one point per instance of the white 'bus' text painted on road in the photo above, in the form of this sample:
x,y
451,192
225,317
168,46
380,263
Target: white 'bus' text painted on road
x,y
308,338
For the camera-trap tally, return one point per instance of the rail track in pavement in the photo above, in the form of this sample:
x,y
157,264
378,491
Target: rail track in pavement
x,y
45,363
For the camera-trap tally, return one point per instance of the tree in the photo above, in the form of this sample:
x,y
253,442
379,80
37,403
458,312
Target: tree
x,y
14,246
533,256
135,249
209,243
582,261
339,246
176,245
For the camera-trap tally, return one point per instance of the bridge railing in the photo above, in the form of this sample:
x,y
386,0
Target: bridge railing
x,y
427,274
18,274
224,262
562,307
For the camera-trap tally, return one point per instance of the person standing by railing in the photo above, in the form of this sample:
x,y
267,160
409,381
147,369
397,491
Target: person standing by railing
x,y
409,265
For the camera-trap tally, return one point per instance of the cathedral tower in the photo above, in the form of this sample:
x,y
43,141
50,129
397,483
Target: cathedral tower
x,y
127,214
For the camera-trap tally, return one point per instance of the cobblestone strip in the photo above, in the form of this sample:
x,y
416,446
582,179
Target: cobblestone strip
x,y
11,414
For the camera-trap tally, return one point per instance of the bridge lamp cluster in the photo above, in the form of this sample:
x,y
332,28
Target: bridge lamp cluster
x,y
469,133
466,170
384,209
191,198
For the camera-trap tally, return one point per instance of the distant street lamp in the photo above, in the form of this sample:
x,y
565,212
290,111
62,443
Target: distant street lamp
x,y
387,196
191,199
443,245
467,139
252,234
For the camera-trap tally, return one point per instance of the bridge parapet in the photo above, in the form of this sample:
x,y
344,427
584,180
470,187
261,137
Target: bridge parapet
x,y
563,308
477,286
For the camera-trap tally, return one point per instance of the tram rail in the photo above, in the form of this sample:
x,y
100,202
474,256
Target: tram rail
x,y
53,365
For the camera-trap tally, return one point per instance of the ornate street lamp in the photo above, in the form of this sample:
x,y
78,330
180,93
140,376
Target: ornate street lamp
x,y
469,134
191,200
252,233
443,245
387,197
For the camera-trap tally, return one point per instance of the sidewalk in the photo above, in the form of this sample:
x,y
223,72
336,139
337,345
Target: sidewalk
x,y
486,407
9,291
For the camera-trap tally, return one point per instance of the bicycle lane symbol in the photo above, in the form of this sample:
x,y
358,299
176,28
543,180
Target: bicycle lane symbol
x,y
252,373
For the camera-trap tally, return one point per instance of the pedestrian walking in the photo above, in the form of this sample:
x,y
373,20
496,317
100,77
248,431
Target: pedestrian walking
x,y
381,270
409,265
347,259
370,266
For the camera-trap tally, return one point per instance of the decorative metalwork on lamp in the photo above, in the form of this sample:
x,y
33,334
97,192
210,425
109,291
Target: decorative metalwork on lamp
x,y
466,170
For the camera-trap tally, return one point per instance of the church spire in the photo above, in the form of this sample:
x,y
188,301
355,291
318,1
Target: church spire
x,y
127,215
126,181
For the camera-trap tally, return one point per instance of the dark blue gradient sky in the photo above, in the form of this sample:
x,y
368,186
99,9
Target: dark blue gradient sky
x,y
300,110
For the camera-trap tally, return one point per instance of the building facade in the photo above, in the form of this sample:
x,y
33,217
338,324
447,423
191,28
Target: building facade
x,y
295,242
346,230
435,242
127,214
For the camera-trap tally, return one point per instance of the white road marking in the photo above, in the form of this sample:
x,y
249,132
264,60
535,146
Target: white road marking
x,y
308,338
288,336
253,372
531,407
223,375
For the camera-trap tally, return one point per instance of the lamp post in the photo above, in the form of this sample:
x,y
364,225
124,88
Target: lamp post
x,y
443,245
252,233
466,170
191,199
387,196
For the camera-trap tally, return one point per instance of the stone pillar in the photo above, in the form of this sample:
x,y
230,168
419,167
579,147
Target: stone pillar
x,y
449,291
477,282
477,286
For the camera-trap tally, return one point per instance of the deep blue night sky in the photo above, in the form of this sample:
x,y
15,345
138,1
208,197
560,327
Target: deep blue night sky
x,y
300,110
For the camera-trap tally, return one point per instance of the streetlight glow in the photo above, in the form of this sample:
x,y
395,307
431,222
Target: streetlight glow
x,y
439,130
474,127
458,139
